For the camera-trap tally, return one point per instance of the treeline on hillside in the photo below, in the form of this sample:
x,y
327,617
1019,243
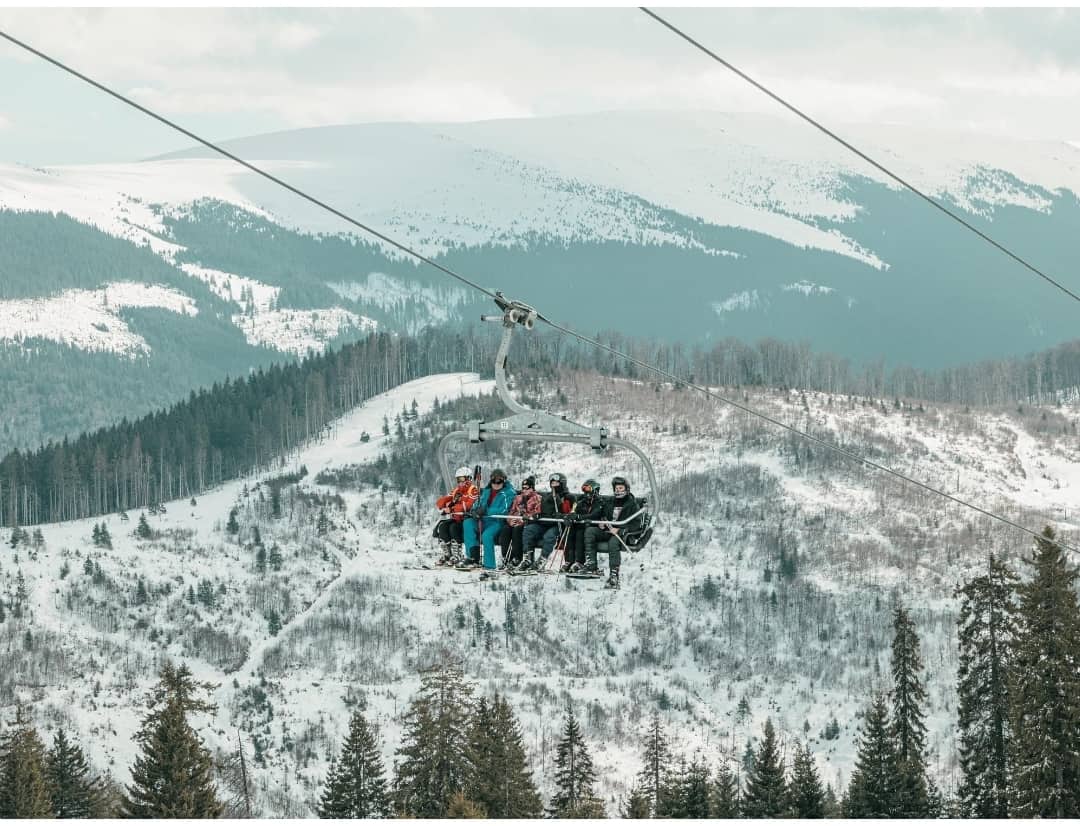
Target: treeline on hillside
x,y
44,253
219,433
245,424
1035,379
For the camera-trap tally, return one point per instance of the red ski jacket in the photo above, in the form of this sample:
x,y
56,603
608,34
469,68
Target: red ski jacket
x,y
459,500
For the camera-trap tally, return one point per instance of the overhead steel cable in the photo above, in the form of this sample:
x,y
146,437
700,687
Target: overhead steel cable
x,y
880,167
796,431
551,323
246,164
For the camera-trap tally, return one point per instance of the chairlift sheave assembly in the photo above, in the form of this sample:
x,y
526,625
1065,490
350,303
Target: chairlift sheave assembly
x,y
528,425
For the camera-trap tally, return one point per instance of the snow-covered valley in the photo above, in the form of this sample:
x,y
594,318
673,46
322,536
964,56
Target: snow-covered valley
x,y
705,617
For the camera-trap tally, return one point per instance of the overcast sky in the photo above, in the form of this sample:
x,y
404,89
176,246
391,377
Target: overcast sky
x,y
233,72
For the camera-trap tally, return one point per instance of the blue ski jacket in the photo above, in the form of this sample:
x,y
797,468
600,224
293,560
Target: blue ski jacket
x,y
499,505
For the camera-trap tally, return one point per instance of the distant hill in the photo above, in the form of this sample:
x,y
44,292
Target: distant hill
x,y
688,227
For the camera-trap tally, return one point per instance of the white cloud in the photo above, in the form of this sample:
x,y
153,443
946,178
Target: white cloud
x,y
1045,81
282,67
292,36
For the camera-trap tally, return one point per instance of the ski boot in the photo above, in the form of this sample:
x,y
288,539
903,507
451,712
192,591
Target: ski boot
x,y
612,583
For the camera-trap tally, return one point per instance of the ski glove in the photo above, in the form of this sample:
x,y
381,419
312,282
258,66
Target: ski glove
x,y
480,512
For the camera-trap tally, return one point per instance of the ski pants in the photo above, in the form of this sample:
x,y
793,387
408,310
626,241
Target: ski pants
x,y
575,545
490,530
449,530
597,540
552,537
512,540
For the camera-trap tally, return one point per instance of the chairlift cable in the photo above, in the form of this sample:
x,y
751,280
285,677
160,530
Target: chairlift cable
x,y
880,167
553,324
794,430
248,165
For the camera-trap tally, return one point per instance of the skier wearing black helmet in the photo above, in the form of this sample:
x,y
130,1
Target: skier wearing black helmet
x,y
557,502
605,537
588,508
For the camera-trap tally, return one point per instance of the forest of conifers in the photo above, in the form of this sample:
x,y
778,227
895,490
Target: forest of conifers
x,y
244,424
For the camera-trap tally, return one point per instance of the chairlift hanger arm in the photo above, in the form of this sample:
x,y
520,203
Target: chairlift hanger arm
x,y
526,424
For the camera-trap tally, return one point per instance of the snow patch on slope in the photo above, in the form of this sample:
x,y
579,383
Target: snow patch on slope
x,y
90,319
119,198
298,331
252,296
387,292
807,288
745,300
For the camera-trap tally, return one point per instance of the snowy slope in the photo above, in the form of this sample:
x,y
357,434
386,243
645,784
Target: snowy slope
x,y
359,614
90,319
601,176
649,180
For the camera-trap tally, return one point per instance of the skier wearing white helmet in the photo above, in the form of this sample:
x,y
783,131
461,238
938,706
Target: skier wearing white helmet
x,y
453,508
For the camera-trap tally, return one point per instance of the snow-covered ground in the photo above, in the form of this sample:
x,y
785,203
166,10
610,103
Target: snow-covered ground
x,y
253,296
90,319
298,331
360,613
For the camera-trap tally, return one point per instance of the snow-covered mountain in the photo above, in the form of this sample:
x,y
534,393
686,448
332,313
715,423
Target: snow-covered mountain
x,y
685,226
706,616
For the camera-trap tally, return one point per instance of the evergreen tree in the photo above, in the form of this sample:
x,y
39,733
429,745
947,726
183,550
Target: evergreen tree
x,y
322,524
1045,689
260,560
233,526
908,728
355,786
173,774
830,804
806,798
653,779
693,790
637,806
434,753
73,791
275,501
987,631
275,559
104,537
500,779
765,787
724,802
24,788
143,530
574,775
872,790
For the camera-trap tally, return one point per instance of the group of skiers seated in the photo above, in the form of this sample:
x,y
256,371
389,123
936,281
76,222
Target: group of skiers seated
x,y
520,521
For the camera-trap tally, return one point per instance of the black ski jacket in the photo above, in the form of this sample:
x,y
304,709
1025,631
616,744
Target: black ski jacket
x,y
627,507
549,508
589,507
